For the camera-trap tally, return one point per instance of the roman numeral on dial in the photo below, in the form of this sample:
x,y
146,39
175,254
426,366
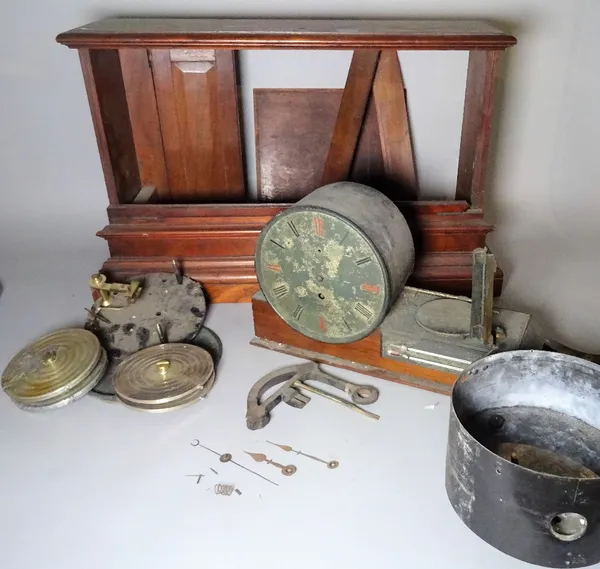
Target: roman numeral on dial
x,y
362,309
318,226
298,312
363,261
276,243
293,228
280,290
370,288
275,268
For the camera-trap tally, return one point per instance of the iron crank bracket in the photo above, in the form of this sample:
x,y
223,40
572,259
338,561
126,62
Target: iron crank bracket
x,y
293,378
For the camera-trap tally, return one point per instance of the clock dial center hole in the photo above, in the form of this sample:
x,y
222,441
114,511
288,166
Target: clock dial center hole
x,y
321,296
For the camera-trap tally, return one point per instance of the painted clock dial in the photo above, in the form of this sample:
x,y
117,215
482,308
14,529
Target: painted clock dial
x,y
322,275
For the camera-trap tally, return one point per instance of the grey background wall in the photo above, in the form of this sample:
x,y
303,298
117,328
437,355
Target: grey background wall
x,y
543,190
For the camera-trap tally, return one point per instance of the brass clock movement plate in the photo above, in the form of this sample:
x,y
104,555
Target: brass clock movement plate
x,y
177,309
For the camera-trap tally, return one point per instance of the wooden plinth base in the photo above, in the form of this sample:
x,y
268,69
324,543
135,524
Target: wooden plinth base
x,y
364,356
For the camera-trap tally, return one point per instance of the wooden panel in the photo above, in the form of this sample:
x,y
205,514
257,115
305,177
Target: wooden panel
x,y
92,95
293,132
143,115
476,127
350,116
234,277
110,114
197,103
268,325
140,213
296,33
392,117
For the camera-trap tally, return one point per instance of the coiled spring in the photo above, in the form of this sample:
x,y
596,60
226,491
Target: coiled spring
x,y
224,489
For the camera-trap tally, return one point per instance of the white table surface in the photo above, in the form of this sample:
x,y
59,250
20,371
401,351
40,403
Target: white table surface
x,y
96,485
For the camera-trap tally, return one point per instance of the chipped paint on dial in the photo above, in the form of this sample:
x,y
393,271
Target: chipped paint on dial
x,y
335,284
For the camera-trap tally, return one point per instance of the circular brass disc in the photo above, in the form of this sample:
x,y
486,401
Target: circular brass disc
x,y
164,374
169,406
51,366
74,393
445,316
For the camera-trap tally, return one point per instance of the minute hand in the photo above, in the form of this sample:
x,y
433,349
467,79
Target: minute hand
x,y
311,456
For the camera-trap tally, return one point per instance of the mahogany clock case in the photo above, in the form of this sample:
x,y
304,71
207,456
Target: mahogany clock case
x,y
163,96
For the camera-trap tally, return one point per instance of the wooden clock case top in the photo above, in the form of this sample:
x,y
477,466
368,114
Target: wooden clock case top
x,y
163,95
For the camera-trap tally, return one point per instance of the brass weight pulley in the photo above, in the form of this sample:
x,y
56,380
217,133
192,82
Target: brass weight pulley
x,y
55,370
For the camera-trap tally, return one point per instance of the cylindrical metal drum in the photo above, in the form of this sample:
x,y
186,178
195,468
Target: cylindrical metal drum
x,y
332,264
524,456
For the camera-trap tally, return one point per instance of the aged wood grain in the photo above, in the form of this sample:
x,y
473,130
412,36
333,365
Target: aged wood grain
x,y
476,127
143,116
297,33
110,115
269,326
350,116
394,129
139,213
198,110
293,131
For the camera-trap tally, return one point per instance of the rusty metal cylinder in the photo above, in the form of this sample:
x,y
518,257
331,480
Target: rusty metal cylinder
x,y
523,456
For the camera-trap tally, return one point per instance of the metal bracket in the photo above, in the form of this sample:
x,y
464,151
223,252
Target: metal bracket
x,y
104,292
293,378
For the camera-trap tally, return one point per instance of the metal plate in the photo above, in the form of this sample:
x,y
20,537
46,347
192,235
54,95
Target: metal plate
x,y
179,309
208,340
410,331
51,366
163,374
75,393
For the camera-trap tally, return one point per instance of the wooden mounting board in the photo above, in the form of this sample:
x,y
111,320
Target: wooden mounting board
x,y
293,132
363,356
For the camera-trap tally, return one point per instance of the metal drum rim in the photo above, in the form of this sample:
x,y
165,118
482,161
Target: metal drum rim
x,y
499,356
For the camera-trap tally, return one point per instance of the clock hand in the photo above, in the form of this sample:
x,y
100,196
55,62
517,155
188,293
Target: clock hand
x,y
331,464
347,404
260,457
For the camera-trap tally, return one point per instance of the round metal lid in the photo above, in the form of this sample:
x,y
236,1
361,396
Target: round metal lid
x,y
163,374
445,316
51,366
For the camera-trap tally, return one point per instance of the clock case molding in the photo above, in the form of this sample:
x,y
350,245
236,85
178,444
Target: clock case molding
x,y
163,96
